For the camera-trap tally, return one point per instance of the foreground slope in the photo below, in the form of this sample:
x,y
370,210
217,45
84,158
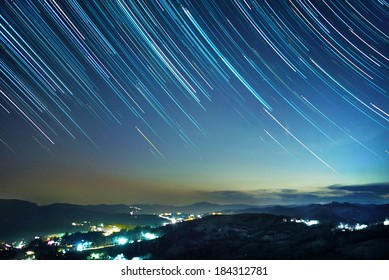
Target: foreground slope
x,y
262,236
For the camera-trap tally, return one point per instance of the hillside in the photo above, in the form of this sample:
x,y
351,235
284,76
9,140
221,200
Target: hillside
x,y
24,220
262,236
329,213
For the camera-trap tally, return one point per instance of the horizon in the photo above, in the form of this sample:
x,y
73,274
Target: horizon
x,y
222,101
326,201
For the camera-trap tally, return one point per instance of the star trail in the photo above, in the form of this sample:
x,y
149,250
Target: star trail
x,y
163,100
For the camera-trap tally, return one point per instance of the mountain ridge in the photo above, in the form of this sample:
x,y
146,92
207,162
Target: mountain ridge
x,y
19,217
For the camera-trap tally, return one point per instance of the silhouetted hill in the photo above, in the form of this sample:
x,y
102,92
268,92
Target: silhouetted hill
x,y
22,219
195,208
262,236
100,208
329,213
25,219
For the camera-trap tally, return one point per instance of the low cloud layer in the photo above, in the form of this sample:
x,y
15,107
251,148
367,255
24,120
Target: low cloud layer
x,y
369,193
374,189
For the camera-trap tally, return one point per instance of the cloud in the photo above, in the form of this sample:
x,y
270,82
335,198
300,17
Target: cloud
x,y
246,197
302,196
289,191
369,193
378,189
227,194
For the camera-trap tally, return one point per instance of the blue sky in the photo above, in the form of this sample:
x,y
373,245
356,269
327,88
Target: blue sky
x,y
182,101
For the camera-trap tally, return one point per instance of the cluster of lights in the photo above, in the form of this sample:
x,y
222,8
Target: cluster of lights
x,y
134,210
307,222
20,245
344,227
106,230
122,240
30,255
5,247
83,246
119,257
168,216
76,224
149,236
180,217
101,256
95,256
52,242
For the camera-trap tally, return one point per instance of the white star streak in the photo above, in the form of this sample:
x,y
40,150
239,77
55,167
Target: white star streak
x,y
152,145
7,146
301,143
279,144
379,109
31,121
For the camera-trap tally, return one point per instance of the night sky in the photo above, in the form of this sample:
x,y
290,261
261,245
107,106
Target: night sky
x,y
256,102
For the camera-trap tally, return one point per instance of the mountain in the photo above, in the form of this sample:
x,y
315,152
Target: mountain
x,y
260,236
329,213
195,208
100,208
22,219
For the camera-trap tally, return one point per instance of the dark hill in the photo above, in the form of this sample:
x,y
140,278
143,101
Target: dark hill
x,y
100,208
195,208
329,213
262,236
22,219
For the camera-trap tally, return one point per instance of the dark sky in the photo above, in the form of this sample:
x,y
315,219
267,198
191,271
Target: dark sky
x,y
182,101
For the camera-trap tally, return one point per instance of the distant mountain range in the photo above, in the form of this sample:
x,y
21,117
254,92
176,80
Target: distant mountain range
x,y
20,218
196,208
329,213
23,219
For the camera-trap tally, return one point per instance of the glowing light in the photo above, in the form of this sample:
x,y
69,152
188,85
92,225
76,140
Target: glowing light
x,y
122,240
149,236
95,256
359,227
344,227
307,222
108,230
82,246
311,222
79,247
172,220
20,245
386,222
52,242
119,257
